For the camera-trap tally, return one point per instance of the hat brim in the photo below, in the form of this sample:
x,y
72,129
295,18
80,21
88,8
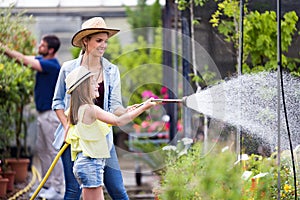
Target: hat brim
x,y
79,81
76,40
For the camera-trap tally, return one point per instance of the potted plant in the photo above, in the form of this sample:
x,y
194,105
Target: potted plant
x,y
16,83
5,138
3,186
7,173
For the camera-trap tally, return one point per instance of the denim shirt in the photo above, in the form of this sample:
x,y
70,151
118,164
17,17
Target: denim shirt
x,y
112,94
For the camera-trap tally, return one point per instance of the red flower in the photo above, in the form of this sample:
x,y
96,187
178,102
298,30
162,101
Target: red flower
x,y
179,126
148,94
163,90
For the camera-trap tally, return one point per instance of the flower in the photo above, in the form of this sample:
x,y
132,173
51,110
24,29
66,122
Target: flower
x,y
164,90
169,148
187,141
148,94
287,188
174,152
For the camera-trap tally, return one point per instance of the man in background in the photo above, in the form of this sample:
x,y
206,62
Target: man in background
x,y
47,69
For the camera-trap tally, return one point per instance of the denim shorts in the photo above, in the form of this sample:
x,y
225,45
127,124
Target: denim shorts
x,y
89,171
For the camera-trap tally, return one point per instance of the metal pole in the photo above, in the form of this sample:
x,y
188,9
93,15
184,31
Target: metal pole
x,y
278,91
167,62
186,67
239,69
175,73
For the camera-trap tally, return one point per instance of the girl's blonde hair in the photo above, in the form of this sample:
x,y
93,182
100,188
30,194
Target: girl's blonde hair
x,y
80,95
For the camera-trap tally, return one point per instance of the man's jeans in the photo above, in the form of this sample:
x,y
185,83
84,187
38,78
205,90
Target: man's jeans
x,y
113,180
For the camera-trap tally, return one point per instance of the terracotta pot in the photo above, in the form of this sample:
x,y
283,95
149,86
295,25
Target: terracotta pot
x,y
20,166
3,186
11,177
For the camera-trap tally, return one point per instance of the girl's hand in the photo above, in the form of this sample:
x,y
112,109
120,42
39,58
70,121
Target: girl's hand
x,y
150,104
133,107
147,104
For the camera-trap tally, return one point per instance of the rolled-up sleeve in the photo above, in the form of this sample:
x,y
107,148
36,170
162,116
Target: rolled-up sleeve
x,y
115,99
60,91
60,98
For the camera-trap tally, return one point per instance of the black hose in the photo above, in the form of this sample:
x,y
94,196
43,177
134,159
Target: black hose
x,y
289,135
282,93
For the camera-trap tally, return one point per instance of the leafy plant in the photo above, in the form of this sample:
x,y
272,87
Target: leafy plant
x,y
158,155
218,175
144,16
260,36
194,176
16,81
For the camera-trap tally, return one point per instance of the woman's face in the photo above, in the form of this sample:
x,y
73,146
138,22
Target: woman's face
x,y
97,43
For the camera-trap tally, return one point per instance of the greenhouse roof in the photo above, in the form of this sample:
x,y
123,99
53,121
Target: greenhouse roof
x,y
70,3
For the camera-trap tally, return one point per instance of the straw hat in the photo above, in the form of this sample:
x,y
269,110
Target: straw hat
x,y
93,25
75,77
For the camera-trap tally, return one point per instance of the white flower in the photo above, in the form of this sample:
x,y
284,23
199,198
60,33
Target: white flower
x,y
260,175
169,148
246,175
244,157
187,141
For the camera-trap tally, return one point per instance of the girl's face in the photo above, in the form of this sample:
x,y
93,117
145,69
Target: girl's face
x,y
97,44
94,88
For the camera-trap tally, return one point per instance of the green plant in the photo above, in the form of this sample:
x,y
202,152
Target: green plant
x,y
194,176
144,16
16,81
218,175
158,155
260,36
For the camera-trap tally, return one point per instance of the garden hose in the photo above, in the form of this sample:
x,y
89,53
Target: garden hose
x,y
35,174
64,147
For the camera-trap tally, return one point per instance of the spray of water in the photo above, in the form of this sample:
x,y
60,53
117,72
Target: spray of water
x,y
250,101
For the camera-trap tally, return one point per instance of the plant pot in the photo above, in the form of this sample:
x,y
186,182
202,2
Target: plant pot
x,y
20,166
3,186
11,177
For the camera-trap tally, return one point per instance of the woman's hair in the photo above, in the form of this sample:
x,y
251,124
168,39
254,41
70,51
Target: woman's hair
x,y
80,95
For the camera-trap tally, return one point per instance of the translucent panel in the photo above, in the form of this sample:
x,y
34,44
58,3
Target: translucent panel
x,y
83,3
119,2
72,3
37,3
6,3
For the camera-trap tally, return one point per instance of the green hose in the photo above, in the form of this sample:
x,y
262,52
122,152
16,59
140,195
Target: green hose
x,y
49,171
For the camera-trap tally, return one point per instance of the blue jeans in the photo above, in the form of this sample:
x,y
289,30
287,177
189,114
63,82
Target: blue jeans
x,y
113,180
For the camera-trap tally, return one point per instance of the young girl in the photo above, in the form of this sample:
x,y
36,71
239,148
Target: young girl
x,y
92,38
89,125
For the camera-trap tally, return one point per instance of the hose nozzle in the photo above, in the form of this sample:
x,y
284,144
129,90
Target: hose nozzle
x,y
170,100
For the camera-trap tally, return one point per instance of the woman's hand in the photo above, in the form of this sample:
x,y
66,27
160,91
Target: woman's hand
x,y
66,132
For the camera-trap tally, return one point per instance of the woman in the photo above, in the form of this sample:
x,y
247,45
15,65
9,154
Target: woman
x,y
88,129
92,39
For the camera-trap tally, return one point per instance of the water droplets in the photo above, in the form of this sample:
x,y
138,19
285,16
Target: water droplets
x,y
250,101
